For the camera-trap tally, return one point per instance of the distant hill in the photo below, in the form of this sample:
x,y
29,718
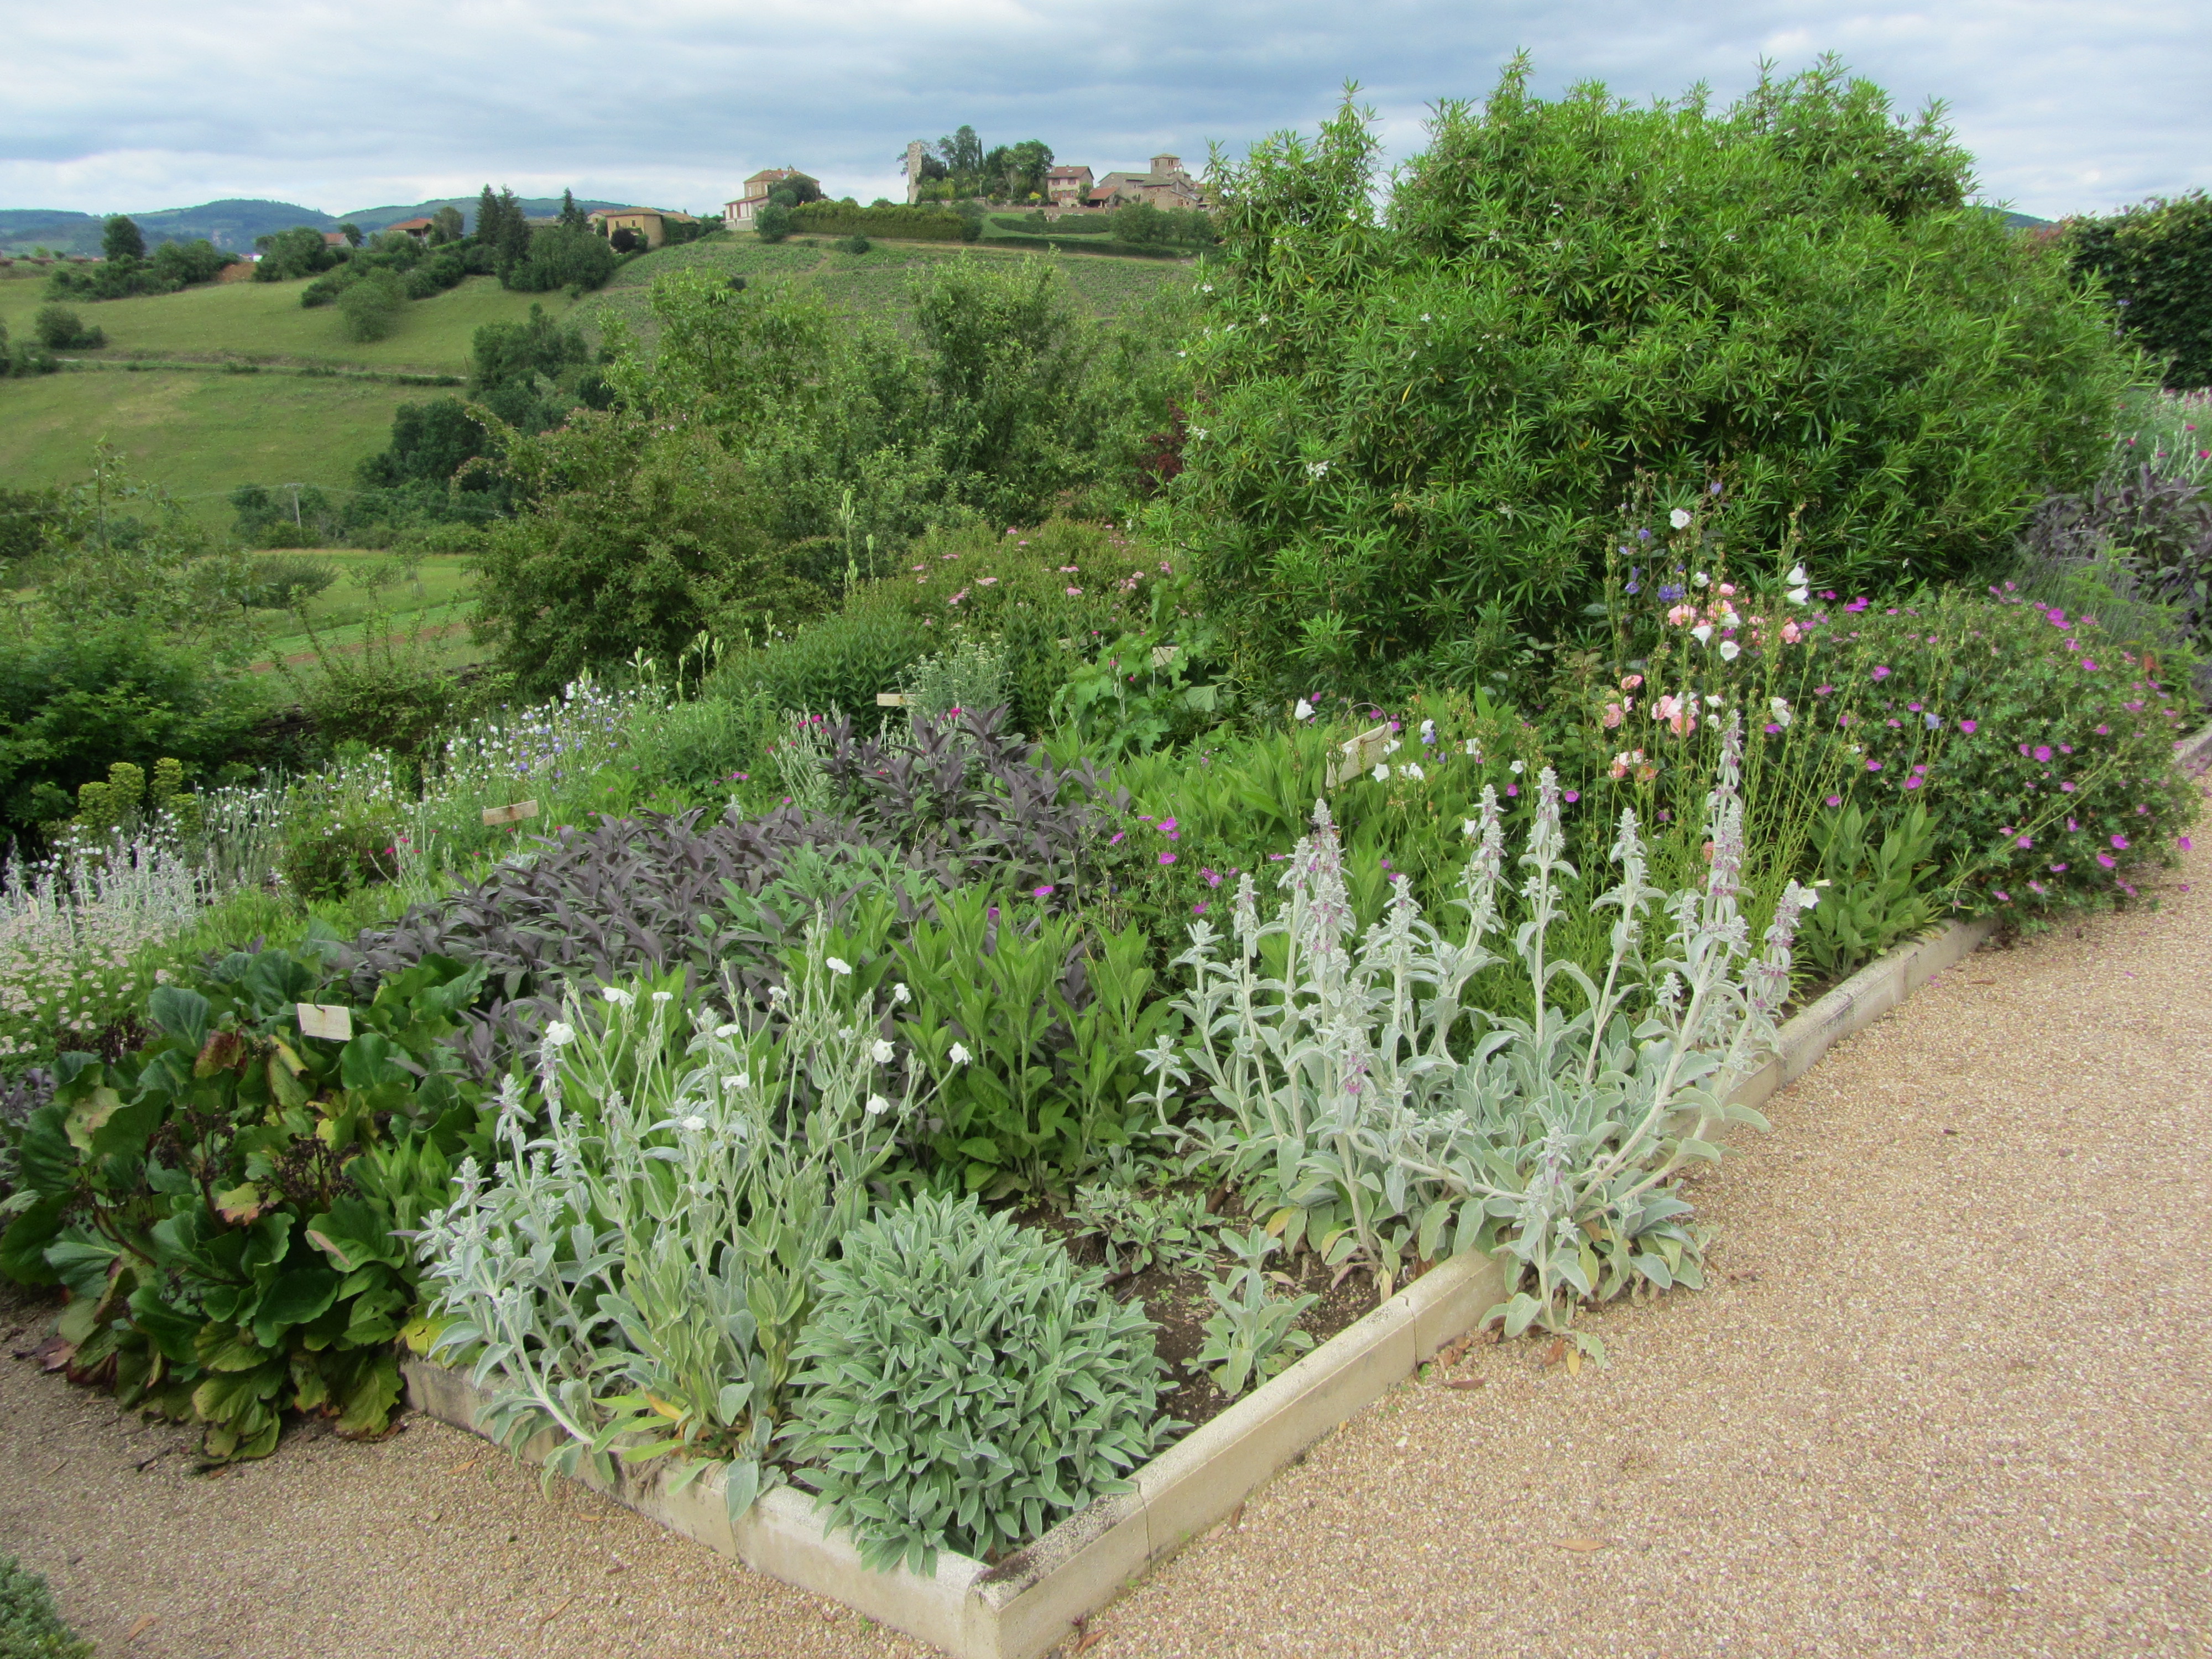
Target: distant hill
x,y
536,207
232,223
229,224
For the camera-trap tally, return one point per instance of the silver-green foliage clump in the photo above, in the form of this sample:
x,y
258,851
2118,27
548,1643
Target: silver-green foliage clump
x,y
969,1386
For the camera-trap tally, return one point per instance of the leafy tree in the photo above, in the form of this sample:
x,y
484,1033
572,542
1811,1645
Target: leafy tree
x,y
431,443
772,221
572,216
183,265
1416,413
503,227
650,534
2155,261
961,153
446,224
287,255
564,255
120,241
351,232
371,308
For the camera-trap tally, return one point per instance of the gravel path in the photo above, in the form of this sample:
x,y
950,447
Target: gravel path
x,y
1947,1396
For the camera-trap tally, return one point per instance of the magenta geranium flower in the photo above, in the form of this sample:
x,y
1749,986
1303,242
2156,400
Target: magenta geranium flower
x,y
1969,726
1167,858
1881,672
2043,751
2120,842
2107,860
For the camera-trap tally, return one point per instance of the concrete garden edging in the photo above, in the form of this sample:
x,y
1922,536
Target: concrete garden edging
x,y
1031,1600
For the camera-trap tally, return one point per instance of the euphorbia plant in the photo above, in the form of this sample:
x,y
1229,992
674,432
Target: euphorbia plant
x,y
1373,1114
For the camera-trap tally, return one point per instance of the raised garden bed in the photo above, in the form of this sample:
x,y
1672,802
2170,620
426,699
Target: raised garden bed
x,y
1022,1606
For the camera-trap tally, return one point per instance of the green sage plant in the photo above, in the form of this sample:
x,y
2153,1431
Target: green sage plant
x,y
1374,1113
967,1386
636,1274
1255,1334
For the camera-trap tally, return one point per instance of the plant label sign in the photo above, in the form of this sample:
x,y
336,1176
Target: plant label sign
x,y
515,814
330,1020
1360,754
890,699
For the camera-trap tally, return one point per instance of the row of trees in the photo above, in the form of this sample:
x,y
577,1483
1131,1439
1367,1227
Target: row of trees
x,y
126,269
957,166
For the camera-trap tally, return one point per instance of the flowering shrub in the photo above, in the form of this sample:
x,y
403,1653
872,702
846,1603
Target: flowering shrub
x,y
916,1447
2042,747
1356,1128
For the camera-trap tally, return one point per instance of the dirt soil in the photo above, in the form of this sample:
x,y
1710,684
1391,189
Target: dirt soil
x,y
1945,1396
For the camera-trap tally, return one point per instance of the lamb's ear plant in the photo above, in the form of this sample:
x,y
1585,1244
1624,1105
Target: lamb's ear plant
x,y
636,1277
1373,1114
968,1386
1255,1334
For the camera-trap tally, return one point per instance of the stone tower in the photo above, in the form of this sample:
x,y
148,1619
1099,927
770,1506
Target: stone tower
x,y
914,171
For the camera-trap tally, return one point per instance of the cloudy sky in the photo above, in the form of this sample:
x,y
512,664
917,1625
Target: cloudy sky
x,y
121,105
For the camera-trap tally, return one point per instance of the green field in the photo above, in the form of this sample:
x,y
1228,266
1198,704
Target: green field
x,y
199,432
265,322
871,283
439,597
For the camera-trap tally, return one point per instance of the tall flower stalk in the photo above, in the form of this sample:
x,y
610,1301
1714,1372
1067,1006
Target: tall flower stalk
x,y
1373,1114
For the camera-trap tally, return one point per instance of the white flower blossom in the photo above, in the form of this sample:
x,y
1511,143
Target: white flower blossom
x,y
1729,650
1304,711
732,1029
1410,770
901,995
616,996
692,1125
1797,578
877,1105
1780,708
1702,633
881,1051
560,1034
664,996
1679,519
1316,469
1700,580
837,965
735,1080
1517,766
1381,773
1712,699
1468,827
1392,747
959,1055
1799,595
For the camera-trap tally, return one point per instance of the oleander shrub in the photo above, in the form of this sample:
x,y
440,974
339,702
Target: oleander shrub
x,y
1405,418
916,1447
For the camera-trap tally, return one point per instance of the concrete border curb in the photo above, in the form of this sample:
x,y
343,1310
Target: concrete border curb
x,y
1023,1606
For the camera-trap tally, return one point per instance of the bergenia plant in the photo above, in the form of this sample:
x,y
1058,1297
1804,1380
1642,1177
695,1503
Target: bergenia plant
x,y
1374,1113
637,1274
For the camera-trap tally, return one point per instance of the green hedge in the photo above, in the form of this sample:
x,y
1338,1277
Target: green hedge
x,y
1092,245
2155,260
892,223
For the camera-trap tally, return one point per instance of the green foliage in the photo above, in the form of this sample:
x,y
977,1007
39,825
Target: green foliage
x,y
895,222
2041,746
919,1448
1141,224
120,239
772,222
335,856
1877,886
75,699
648,535
287,255
371,308
386,696
699,746
839,662
279,583
60,328
570,256
1413,415
31,1625
1137,1231
25,516
1047,1025
503,229
2154,262
221,1204
1253,1333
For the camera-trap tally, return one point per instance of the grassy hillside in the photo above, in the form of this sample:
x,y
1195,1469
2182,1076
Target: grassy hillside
x,y
264,322
872,284
200,432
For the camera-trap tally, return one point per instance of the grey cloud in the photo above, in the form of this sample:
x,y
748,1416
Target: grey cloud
x,y
124,103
